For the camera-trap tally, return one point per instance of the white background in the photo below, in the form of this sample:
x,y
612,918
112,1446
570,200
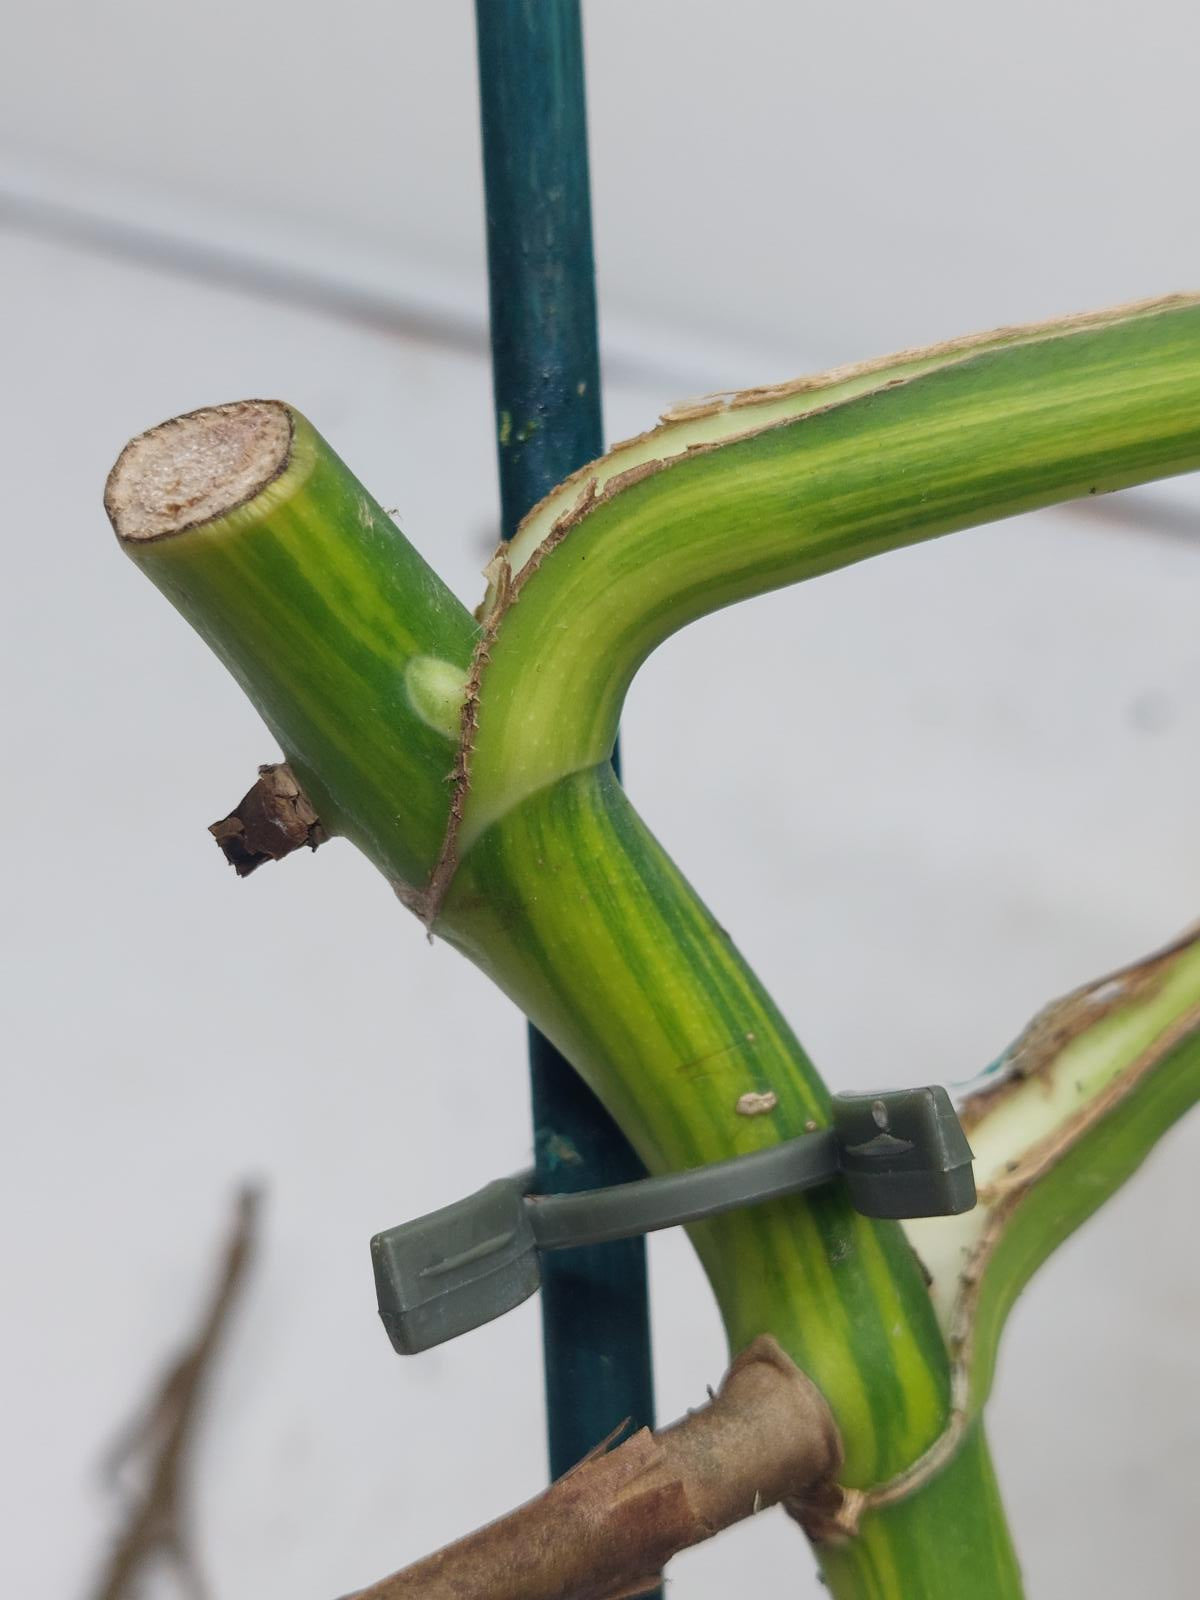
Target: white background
x,y
992,744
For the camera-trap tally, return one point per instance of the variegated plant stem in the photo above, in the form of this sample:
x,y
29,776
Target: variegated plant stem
x,y
532,862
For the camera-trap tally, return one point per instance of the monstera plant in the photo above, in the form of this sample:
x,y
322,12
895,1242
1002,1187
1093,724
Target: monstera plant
x,y
468,756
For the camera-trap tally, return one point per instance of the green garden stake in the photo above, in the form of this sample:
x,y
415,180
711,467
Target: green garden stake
x,y
546,375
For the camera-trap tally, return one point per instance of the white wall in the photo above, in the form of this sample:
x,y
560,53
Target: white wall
x,y
991,762
815,182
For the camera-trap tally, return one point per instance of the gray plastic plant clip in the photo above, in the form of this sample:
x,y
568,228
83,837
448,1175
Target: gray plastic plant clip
x,y
901,1154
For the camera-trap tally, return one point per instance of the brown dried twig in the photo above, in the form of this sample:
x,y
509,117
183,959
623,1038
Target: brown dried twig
x,y
159,1440
606,1529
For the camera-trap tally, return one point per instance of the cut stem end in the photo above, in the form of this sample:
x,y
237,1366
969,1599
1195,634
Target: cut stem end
x,y
197,468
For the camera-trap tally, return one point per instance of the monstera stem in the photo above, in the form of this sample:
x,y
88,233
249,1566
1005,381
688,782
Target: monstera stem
x,y
531,861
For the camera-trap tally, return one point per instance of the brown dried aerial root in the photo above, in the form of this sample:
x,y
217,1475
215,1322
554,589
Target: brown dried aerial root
x,y
271,820
606,1529
155,1525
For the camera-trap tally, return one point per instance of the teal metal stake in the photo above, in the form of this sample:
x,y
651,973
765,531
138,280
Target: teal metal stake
x,y
546,378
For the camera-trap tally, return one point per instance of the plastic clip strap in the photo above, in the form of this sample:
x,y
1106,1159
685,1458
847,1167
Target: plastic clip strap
x,y
901,1154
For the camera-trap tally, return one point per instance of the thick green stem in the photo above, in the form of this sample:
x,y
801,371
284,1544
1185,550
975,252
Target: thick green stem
x,y
350,646
535,865
570,902
949,1540
937,442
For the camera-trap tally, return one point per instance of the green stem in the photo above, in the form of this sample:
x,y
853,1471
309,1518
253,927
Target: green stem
x,y
949,1540
1069,1112
545,876
937,442
350,646
606,914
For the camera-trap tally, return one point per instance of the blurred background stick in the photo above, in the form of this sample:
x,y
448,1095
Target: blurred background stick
x,y
159,1441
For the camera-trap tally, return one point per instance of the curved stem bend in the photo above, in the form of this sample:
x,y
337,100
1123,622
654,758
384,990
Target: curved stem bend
x,y
542,873
791,483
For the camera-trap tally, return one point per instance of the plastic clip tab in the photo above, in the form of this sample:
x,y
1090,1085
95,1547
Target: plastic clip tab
x,y
455,1269
902,1154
